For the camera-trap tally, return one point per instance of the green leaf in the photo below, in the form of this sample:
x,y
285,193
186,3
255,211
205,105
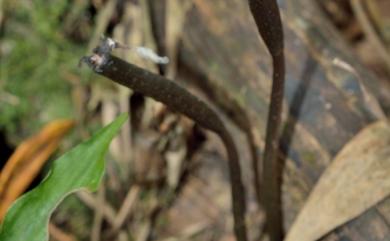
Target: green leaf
x,y
81,167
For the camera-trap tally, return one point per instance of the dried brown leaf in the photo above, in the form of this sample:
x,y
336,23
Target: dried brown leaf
x,y
357,179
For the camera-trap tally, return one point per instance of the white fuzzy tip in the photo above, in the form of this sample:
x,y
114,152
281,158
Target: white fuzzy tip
x,y
149,54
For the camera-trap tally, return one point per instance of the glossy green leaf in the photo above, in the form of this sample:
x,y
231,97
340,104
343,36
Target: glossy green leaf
x,y
81,167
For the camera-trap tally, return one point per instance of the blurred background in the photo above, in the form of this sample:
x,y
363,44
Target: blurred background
x,y
166,178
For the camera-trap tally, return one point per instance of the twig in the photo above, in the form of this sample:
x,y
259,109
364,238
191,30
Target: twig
x,y
98,218
126,207
90,201
144,230
60,235
267,17
179,99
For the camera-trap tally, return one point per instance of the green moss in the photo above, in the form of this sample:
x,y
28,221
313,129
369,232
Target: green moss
x,y
36,56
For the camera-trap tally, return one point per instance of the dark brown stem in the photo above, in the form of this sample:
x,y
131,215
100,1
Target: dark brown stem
x,y
221,98
267,17
272,173
179,99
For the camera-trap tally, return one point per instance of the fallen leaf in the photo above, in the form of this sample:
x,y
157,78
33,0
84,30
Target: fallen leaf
x,y
27,160
357,179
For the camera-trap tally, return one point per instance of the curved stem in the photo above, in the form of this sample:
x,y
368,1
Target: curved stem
x,y
267,17
178,99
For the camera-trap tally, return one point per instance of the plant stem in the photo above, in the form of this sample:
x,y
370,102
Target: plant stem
x,y
267,17
272,173
179,99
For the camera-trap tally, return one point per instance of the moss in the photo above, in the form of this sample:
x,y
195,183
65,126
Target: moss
x,y
35,56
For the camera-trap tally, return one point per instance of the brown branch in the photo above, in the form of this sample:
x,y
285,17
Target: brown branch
x,y
267,17
178,99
